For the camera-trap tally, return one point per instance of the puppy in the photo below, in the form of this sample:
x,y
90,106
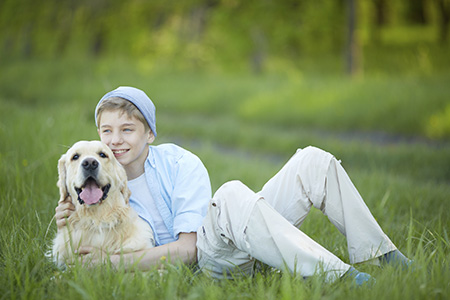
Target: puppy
x,y
97,183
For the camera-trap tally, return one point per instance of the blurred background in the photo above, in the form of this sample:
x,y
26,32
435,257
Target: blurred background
x,y
370,65
372,35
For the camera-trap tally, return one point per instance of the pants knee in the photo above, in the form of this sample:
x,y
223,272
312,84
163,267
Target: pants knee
x,y
311,167
312,155
231,190
235,199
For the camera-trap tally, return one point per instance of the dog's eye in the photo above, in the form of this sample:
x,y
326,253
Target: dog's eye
x,y
75,157
103,155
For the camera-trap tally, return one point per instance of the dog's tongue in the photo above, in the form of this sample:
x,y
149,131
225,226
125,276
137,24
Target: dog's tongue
x,y
91,193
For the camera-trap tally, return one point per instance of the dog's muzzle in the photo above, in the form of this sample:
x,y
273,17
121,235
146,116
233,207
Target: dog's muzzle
x,y
91,192
90,167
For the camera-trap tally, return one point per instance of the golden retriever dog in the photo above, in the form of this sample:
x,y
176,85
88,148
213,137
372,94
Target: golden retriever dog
x,y
97,183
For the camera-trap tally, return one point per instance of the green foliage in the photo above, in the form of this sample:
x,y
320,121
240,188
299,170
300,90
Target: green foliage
x,y
198,34
396,105
439,124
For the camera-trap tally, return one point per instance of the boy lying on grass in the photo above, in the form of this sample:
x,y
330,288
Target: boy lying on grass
x,y
227,233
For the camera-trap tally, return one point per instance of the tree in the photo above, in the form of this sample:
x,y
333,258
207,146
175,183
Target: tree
x,y
444,12
353,49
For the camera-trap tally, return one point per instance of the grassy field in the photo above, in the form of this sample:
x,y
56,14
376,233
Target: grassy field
x,y
244,127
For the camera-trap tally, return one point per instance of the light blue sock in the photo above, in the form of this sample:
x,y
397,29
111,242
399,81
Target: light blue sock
x,y
359,278
395,258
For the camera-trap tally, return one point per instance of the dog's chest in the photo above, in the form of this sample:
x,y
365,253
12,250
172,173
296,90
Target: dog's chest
x,y
98,234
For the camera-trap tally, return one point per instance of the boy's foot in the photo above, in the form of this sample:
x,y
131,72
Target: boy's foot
x,y
395,258
359,278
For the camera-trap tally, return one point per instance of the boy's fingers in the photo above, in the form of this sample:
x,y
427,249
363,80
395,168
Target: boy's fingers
x,y
62,214
65,206
67,199
62,211
61,223
89,251
60,217
83,250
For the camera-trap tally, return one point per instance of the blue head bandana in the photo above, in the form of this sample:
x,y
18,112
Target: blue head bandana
x,y
139,99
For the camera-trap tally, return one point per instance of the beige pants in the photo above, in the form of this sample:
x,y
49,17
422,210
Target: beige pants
x,y
242,225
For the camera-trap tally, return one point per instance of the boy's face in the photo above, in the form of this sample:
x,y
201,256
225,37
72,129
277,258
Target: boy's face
x,y
127,138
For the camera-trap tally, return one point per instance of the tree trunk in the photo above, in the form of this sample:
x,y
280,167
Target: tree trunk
x,y
380,13
380,19
444,11
353,48
416,12
258,54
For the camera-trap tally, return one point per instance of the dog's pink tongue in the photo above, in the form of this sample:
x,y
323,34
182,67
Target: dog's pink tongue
x,y
91,193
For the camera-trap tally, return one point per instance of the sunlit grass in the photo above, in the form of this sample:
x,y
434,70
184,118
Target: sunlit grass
x,y
404,181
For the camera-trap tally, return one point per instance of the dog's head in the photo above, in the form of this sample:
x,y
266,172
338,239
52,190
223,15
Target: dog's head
x,y
89,173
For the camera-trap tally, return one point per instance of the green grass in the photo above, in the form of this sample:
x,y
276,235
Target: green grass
x,y
242,127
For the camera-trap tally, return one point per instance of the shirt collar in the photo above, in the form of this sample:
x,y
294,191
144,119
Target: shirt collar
x,y
151,157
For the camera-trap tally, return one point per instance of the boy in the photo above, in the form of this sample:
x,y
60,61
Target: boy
x,y
171,191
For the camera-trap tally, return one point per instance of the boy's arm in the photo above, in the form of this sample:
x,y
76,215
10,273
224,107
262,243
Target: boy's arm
x,y
183,250
63,211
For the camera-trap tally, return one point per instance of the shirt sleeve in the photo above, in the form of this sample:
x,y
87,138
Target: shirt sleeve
x,y
190,195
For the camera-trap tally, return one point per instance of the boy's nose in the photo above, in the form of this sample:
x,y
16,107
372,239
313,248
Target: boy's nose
x,y
116,139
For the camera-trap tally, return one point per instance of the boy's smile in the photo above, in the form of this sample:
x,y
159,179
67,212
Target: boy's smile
x,y
118,153
127,138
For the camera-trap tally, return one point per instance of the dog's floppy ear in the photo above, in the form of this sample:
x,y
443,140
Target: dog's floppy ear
x,y
62,178
121,179
126,193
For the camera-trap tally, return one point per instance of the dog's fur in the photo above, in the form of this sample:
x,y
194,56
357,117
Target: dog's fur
x,y
111,224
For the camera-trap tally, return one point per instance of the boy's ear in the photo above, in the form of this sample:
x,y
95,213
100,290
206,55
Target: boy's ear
x,y
151,137
62,178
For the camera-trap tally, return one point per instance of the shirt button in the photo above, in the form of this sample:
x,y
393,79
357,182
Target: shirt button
x,y
213,204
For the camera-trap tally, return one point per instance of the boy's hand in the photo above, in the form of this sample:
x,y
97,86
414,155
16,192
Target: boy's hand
x,y
92,255
62,211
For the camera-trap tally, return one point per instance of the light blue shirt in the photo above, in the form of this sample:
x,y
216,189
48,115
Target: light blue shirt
x,y
181,189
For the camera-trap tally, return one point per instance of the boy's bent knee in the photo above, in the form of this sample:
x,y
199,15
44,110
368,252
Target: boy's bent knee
x,y
230,185
312,153
235,196
234,189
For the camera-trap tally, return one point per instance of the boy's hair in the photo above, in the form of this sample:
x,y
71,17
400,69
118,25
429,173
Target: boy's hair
x,y
124,107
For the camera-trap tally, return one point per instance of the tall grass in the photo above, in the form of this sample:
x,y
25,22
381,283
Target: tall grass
x,y
405,181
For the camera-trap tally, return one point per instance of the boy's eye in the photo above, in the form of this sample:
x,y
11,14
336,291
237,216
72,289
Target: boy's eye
x,y
103,155
75,157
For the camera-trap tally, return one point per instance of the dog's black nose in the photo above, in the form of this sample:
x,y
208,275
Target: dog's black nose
x,y
90,164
